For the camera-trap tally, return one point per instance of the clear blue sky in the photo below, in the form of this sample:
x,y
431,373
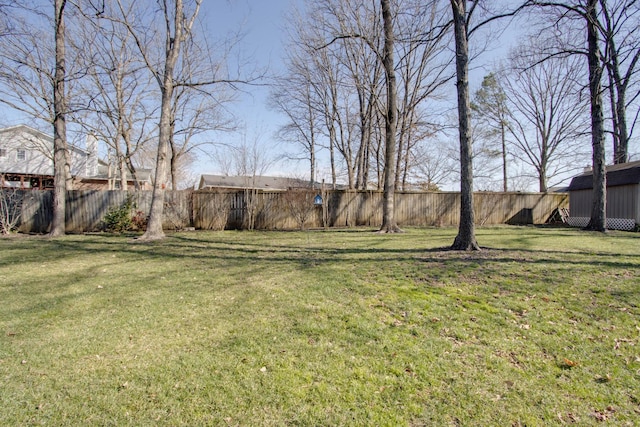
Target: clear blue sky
x,y
262,23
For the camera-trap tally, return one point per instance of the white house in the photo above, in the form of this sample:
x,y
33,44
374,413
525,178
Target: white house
x,y
26,158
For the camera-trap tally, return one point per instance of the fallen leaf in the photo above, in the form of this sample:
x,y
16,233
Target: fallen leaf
x,y
569,363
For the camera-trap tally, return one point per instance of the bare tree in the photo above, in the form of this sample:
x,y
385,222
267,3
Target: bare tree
x,y
195,115
389,224
248,158
117,93
548,115
293,97
177,29
618,25
466,240
10,208
587,12
433,168
299,203
34,77
199,110
424,68
170,69
355,51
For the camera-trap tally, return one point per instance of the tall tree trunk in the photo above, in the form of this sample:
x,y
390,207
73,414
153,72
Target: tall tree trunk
x,y
598,221
154,225
542,178
123,174
614,118
173,154
503,135
60,157
332,159
389,224
173,44
622,154
466,239
134,174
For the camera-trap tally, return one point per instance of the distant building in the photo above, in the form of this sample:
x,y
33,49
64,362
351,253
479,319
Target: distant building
x,y
273,183
26,159
26,162
623,197
108,178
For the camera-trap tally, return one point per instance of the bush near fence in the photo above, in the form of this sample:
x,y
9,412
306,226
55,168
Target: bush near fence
x,y
281,210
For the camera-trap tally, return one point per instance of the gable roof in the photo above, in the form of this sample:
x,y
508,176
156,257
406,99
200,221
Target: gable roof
x,y
27,129
42,136
621,174
258,182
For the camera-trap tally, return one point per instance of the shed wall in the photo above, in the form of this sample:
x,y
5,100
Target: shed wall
x,y
622,202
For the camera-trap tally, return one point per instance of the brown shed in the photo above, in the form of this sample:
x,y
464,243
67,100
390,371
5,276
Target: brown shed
x,y
623,197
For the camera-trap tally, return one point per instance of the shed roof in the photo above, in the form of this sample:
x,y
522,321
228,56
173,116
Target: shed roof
x,y
621,174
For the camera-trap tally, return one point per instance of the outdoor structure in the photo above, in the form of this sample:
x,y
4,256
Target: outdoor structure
x,y
26,159
623,197
26,162
107,178
258,182
288,210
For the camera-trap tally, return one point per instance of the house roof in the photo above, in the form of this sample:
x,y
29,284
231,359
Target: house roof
x,y
28,129
254,182
40,135
621,174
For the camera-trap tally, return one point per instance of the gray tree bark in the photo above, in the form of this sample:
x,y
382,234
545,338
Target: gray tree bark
x,y
466,239
598,221
60,157
389,224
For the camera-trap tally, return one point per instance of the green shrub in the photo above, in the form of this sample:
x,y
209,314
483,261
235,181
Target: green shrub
x,y
119,219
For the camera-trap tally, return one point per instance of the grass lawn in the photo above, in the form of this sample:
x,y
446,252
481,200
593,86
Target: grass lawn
x,y
342,327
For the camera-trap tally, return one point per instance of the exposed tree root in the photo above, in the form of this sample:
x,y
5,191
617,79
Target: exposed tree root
x,y
460,244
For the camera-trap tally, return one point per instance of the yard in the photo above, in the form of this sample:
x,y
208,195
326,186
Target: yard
x,y
341,327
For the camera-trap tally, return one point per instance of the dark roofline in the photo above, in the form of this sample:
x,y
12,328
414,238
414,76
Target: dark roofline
x,y
259,182
621,174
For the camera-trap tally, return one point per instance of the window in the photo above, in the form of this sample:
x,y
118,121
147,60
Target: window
x,y
3,152
22,154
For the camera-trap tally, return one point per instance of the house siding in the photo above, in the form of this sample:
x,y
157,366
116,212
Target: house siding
x,y
35,161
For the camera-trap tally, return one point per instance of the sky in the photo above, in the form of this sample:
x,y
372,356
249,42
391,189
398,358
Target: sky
x,y
262,23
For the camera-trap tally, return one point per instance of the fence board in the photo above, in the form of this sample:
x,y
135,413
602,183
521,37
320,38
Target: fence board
x,y
286,210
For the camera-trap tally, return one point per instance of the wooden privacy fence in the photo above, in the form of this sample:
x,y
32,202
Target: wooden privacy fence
x,y
86,209
211,210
